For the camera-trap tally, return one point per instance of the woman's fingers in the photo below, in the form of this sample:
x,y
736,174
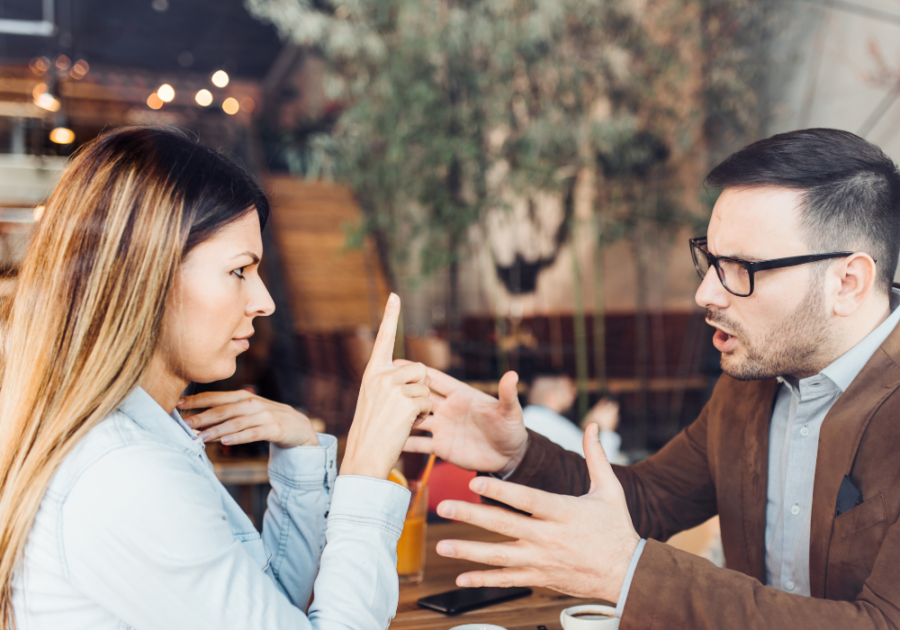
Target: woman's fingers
x,y
383,350
205,400
221,413
244,437
229,428
416,390
412,373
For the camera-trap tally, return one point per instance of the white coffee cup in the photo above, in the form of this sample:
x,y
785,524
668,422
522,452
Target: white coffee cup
x,y
579,618
477,626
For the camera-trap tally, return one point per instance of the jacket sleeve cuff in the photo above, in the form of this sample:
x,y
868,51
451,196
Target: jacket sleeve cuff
x,y
306,467
369,502
629,576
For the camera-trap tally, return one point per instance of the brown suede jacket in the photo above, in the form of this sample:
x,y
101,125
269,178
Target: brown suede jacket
x,y
719,465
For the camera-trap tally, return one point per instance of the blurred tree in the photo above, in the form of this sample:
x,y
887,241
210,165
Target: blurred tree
x,y
448,105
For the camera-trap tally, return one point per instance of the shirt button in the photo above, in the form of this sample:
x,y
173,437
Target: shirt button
x,y
804,432
789,585
795,510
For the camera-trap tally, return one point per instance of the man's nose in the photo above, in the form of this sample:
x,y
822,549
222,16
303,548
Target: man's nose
x,y
711,292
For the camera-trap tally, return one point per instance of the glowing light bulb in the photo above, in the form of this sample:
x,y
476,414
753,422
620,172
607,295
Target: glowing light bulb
x,y
220,78
204,98
80,69
47,101
154,102
247,104
166,93
231,106
62,135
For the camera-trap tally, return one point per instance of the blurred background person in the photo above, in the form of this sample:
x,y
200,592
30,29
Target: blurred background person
x,y
551,397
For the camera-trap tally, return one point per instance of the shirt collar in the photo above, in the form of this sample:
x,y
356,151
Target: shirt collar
x,y
145,411
838,376
844,369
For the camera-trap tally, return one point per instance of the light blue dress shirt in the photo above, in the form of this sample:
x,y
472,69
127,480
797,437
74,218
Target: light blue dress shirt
x,y
559,430
800,407
135,531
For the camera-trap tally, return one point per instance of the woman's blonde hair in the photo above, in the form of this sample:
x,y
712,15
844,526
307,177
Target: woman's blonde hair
x,y
85,317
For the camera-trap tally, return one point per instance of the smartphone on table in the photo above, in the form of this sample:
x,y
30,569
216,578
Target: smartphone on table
x,y
465,599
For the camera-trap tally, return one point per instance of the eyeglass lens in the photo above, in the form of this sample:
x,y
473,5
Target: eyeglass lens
x,y
734,276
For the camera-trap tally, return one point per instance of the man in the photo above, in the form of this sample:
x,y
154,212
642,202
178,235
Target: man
x,y
552,395
795,451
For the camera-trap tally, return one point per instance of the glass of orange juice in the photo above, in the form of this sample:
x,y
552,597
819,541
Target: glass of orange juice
x,y
411,547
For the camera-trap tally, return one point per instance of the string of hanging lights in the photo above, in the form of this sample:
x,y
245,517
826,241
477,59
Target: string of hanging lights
x,y
46,93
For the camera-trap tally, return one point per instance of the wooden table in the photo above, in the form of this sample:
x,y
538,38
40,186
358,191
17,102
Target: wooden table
x,y
540,609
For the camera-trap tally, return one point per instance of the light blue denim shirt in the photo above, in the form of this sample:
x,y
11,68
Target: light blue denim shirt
x,y
135,531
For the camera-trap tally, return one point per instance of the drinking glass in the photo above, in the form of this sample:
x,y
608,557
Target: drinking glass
x,y
411,547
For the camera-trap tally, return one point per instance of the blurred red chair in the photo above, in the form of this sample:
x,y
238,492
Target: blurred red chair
x,y
449,482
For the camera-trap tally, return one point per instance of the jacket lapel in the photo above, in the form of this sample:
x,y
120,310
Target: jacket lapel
x,y
839,440
756,475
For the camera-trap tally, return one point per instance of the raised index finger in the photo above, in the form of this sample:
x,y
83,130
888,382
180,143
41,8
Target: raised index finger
x,y
383,351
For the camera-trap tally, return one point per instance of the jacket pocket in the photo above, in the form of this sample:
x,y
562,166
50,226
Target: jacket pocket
x,y
870,512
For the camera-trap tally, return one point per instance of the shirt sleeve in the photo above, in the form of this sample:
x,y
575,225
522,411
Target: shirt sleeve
x,y
629,576
302,480
144,535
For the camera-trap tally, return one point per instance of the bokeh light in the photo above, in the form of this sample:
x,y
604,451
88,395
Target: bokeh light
x,y
166,93
231,106
154,102
62,135
204,98
220,78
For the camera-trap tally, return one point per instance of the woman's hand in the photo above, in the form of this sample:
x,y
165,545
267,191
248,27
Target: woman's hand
x,y
390,401
240,417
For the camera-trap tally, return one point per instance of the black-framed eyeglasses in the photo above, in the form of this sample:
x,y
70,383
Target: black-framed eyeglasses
x,y
737,275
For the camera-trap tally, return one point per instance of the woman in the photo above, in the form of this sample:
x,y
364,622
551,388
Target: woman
x,y
142,278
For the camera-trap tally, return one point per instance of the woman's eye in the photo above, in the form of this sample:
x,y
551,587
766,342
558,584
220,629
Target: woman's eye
x,y
239,272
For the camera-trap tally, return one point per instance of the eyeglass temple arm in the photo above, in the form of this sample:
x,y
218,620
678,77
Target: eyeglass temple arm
x,y
793,260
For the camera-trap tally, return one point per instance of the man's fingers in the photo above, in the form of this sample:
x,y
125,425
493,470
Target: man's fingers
x,y
503,578
535,502
505,554
488,517
383,350
417,444
597,463
507,393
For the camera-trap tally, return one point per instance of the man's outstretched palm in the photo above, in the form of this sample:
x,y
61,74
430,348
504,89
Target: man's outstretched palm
x,y
471,429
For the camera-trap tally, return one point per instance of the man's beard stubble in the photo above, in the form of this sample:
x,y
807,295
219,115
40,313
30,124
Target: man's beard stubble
x,y
791,349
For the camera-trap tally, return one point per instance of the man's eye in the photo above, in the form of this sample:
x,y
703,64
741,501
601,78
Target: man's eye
x,y
239,272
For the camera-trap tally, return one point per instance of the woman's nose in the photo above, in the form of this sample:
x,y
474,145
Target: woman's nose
x,y
260,303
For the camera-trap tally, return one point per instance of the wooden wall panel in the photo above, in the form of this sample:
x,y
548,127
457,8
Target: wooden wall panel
x,y
331,288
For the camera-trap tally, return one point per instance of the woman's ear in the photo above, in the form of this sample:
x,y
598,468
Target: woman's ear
x,y
857,275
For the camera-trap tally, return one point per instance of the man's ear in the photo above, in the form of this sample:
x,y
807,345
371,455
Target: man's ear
x,y
856,276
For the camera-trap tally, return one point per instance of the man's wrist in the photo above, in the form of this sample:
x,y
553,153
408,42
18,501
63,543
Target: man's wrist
x,y
625,585
514,462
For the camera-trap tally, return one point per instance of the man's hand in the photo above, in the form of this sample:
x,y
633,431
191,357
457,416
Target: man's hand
x,y
578,546
471,429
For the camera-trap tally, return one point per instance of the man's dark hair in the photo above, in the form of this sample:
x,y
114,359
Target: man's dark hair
x,y
852,190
